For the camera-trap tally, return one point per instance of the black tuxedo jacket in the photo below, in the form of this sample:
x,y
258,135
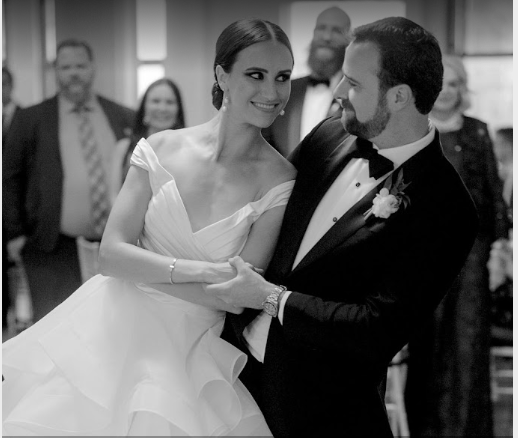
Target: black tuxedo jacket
x,y
284,133
32,178
360,293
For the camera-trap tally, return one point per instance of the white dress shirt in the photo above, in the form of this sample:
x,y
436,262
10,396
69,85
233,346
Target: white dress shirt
x,y
349,187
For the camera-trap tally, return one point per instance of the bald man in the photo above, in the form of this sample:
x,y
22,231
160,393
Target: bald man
x,y
311,97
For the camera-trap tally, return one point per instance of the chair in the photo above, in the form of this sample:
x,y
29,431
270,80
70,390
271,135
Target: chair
x,y
88,253
501,366
394,400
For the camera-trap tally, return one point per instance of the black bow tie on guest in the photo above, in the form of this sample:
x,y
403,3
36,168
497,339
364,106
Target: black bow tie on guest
x,y
313,82
378,164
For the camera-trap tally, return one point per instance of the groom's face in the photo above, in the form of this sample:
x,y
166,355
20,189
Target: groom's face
x,y
365,112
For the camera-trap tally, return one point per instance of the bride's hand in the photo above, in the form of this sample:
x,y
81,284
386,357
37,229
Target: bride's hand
x,y
253,268
223,272
231,309
220,272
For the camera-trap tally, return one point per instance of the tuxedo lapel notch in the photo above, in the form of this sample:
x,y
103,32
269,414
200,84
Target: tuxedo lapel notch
x,y
416,168
304,200
345,227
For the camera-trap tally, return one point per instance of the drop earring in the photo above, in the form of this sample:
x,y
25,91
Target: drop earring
x,y
282,113
225,104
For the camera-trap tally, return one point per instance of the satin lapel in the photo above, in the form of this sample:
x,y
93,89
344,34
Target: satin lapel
x,y
294,114
418,167
345,227
303,202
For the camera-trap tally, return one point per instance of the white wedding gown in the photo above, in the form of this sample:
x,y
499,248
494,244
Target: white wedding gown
x,y
119,358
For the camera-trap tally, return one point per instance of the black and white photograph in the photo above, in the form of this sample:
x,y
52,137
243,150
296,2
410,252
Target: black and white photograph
x,y
257,218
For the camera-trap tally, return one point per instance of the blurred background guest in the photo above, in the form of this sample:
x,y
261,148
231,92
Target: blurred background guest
x,y
500,263
55,159
503,145
160,108
9,106
9,109
448,385
311,98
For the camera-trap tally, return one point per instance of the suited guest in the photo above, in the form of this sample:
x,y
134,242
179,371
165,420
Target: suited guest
x,y
371,240
503,147
449,384
9,109
160,108
9,106
311,98
55,161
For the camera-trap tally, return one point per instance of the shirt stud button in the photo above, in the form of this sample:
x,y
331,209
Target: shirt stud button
x,y
458,148
358,184
335,219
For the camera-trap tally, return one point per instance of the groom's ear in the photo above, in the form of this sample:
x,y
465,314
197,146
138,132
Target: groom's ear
x,y
399,96
222,76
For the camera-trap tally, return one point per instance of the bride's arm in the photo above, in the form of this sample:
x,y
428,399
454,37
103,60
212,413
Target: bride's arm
x,y
119,255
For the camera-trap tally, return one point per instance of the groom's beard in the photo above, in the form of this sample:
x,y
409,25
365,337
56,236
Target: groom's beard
x,y
371,128
326,68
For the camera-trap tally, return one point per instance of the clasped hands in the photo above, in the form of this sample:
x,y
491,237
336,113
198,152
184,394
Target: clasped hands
x,y
247,289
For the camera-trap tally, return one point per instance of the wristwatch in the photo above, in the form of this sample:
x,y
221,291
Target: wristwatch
x,y
271,303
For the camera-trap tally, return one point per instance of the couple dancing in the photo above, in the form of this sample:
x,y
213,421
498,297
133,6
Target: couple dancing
x,y
357,250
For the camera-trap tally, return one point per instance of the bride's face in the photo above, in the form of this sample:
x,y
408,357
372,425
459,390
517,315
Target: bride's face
x,y
259,83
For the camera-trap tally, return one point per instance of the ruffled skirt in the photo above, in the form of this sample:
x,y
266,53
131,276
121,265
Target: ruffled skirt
x,y
117,359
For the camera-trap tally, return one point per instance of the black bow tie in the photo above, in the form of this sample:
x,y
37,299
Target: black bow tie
x,y
378,164
313,82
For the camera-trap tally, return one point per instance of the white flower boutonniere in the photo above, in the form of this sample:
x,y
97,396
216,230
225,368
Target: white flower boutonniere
x,y
389,198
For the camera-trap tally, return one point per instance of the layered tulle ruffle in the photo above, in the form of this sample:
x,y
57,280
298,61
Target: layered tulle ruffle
x,y
116,359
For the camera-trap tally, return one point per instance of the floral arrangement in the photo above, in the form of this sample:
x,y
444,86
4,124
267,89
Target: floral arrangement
x,y
389,198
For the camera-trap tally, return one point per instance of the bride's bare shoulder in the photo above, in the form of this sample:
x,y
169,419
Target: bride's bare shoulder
x,y
277,168
172,140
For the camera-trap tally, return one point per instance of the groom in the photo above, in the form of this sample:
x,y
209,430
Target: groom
x,y
369,245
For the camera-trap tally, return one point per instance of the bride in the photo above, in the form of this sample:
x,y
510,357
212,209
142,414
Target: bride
x,y
136,350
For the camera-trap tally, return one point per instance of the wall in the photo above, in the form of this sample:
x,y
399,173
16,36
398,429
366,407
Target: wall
x,y
101,23
193,27
23,49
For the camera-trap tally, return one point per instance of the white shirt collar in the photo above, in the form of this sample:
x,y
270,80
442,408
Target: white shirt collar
x,y
399,154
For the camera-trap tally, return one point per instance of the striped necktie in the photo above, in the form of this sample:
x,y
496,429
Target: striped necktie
x,y
100,204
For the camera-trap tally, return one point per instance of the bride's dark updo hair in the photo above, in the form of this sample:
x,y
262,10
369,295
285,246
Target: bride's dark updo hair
x,y
238,36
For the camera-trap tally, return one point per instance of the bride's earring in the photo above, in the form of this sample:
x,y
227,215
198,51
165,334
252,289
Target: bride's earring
x,y
282,113
225,104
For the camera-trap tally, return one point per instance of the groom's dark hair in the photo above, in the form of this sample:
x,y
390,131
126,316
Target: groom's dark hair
x,y
237,37
409,55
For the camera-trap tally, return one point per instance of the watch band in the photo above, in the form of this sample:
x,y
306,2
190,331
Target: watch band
x,y
271,303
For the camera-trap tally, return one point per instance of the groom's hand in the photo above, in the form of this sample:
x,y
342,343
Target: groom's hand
x,y
246,289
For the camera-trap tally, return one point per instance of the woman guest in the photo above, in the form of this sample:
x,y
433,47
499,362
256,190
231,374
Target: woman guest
x,y
160,108
448,386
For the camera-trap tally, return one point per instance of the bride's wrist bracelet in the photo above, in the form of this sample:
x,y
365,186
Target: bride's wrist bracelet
x,y
171,270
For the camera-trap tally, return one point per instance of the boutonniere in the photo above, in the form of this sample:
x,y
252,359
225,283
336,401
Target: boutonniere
x,y
389,198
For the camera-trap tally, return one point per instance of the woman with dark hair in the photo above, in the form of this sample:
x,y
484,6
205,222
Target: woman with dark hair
x,y
137,350
160,108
